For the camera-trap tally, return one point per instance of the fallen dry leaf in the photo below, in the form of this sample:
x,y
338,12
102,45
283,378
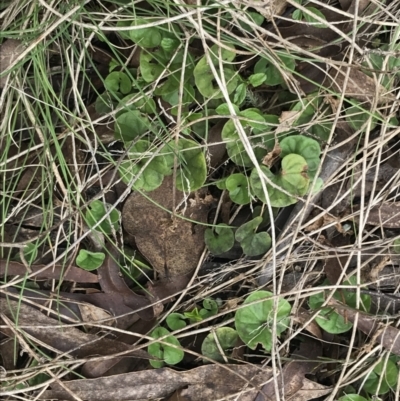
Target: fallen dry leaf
x,y
55,272
60,337
359,86
205,383
271,157
302,316
112,283
292,376
171,244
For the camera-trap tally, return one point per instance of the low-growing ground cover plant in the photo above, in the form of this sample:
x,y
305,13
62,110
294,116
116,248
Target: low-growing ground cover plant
x,y
253,325
178,182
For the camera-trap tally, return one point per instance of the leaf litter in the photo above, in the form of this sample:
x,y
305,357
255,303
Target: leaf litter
x,y
167,227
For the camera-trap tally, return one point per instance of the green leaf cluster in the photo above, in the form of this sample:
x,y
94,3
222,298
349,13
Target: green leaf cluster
x,y
309,16
258,129
221,239
300,161
177,321
383,377
331,321
96,211
153,166
165,353
269,68
89,261
204,77
223,338
254,321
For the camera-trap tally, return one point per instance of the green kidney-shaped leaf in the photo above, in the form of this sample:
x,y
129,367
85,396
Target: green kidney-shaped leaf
x,y
118,81
331,321
145,104
352,397
220,239
174,98
382,379
256,244
192,166
145,37
210,308
328,319
301,145
309,17
254,322
257,79
147,178
293,178
253,243
396,246
150,65
169,44
167,354
90,260
204,77
350,297
238,187
30,252
274,76
257,18
226,337
176,321
106,102
130,125
204,80
257,128
97,210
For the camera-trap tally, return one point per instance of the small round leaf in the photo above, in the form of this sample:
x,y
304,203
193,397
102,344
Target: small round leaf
x,y
176,321
145,37
192,166
130,125
204,77
118,81
149,178
169,355
210,308
90,260
257,79
383,378
253,243
226,337
96,211
306,147
293,178
220,239
254,322
238,187
352,397
396,246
